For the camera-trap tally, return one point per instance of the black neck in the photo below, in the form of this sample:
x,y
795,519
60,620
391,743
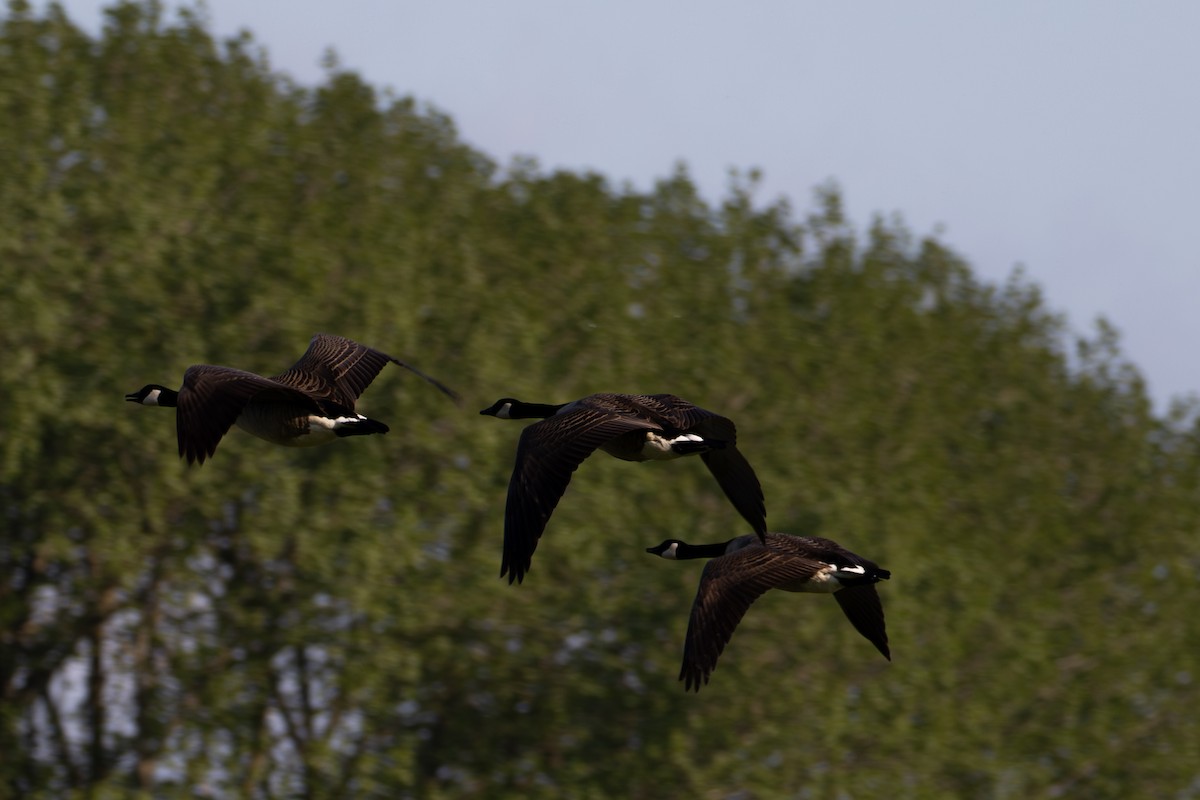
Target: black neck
x,y
168,398
685,551
521,410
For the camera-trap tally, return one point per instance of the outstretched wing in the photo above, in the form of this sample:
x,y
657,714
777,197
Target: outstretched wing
x,y
728,586
547,454
862,607
340,370
733,472
211,400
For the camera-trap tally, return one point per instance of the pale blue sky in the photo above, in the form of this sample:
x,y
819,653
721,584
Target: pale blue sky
x,y
1059,135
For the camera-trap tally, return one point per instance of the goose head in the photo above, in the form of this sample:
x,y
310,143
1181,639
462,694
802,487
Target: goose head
x,y
151,395
668,549
502,408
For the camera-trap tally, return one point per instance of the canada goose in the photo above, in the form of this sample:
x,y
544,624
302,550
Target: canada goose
x,y
629,427
742,569
311,403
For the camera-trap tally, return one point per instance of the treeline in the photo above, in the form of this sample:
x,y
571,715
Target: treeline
x,y
329,623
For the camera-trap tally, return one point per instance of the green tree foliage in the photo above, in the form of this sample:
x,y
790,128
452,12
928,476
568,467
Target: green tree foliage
x,y
329,623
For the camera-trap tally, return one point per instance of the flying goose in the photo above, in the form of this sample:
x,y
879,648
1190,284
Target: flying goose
x,y
311,403
629,427
742,569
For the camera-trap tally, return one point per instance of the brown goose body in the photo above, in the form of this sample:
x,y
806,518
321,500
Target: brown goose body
x,y
629,427
311,403
741,570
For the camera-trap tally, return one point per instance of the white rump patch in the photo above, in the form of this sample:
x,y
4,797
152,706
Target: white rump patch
x,y
322,429
828,579
659,447
824,581
318,423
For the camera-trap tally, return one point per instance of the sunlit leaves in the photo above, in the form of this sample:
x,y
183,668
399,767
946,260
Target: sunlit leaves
x,y
330,622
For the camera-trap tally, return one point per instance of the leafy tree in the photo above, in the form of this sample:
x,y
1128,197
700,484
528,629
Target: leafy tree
x,y
329,623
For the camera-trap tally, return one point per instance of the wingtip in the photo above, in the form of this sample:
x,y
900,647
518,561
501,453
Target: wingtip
x,y
692,679
446,390
513,575
443,388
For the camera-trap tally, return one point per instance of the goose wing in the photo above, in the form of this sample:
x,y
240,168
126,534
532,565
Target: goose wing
x,y
547,454
733,472
670,411
728,586
211,400
862,607
340,370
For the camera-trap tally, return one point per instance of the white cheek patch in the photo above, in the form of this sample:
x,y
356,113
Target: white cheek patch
x,y
505,411
151,399
670,552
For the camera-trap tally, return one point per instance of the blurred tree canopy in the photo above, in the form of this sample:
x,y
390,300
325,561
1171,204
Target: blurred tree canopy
x,y
329,623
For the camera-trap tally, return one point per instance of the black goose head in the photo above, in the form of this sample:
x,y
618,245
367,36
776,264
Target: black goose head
x,y
152,394
502,408
668,549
